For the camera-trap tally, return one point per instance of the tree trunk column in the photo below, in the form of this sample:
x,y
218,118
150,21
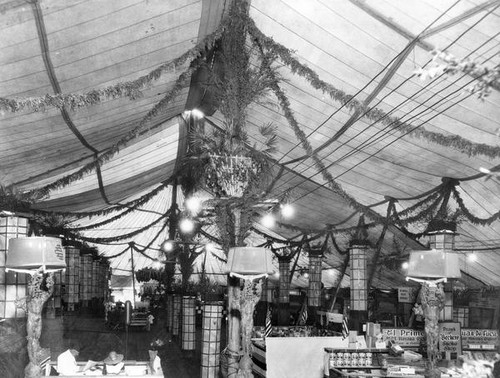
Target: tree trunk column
x,y
359,287
314,289
210,341
284,291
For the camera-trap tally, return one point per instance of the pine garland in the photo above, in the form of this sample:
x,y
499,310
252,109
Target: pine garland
x,y
144,199
130,89
124,236
471,217
104,157
374,114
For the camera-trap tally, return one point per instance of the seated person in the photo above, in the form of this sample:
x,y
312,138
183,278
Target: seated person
x,y
114,362
66,362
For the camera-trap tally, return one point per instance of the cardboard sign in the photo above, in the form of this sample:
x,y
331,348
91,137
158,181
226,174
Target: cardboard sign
x,y
405,337
407,294
486,339
450,338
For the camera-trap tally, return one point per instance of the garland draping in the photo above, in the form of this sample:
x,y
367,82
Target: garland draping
x,y
130,89
109,220
64,181
131,204
374,114
114,256
472,218
122,237
167,222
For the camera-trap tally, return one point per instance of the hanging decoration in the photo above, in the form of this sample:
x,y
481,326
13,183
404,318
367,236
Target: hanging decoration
x,y
130,89
106,156
374,114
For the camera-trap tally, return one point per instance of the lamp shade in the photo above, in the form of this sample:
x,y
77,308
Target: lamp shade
x,y
31,253
249,262
433,264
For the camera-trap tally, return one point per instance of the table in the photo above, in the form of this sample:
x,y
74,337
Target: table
x,y
132,369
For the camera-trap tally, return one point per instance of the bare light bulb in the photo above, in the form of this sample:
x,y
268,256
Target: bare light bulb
x,y
287,210
405,265
193,204
186,226
472,257
167,246
268,221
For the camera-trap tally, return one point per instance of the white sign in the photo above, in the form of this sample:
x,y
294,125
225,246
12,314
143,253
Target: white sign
x,y
407,294
405,337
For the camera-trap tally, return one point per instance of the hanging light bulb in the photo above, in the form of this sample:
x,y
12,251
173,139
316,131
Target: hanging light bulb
x,y
306,275
268,220
197,113
287,210
167,246
405,265
472,257
186,225
193,204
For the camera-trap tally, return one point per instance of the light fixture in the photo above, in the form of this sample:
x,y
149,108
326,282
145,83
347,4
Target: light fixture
x,y
197,113
249,262
30,254
193,205
305,275
186,225
472,257
287,210
167,246
268,220
433,266
405,265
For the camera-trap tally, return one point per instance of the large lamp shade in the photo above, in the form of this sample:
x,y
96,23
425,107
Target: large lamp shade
x,y
249,262
433,264
28,254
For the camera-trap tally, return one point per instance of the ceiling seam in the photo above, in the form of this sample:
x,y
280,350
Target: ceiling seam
x,y
44,47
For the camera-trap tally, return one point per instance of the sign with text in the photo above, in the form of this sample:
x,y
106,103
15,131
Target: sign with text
x,y
486,339
407,294
405,337
450,339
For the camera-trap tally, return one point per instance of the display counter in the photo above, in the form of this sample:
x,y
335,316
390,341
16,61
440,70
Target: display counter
x,y
132,369
295,357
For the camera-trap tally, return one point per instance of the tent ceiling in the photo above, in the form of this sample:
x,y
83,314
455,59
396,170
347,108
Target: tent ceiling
x,y
367,49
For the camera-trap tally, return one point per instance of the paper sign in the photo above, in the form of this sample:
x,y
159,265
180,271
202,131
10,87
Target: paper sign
x,y
407,294
405,337
450,339
479,338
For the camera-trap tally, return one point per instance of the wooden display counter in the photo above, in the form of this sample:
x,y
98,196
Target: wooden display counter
x,y
132,369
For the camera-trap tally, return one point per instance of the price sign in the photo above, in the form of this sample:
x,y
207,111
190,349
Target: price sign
x,y
450,338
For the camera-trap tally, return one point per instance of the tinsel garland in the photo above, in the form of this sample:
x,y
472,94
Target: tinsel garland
x,y
88,168
471,217
374,114
124,236
131,89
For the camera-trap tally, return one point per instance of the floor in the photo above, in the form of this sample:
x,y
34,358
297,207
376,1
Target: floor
x,y
95,340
